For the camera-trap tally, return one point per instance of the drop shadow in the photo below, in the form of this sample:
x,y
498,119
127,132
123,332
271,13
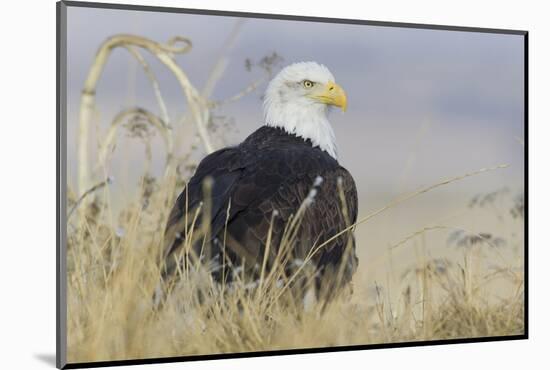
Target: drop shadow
x,y
47,358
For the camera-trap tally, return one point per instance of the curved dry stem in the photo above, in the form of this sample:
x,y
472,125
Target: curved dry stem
x,y
154,82
86,193
165,53
412,195
415,234
153,120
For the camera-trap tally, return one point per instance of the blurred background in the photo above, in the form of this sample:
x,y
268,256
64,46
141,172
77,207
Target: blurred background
x,y
423,106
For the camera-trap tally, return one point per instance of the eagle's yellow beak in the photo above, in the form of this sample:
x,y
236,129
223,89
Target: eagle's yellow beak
x,y
332,94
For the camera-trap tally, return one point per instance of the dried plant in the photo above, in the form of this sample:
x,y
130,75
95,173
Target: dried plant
x,y
461,238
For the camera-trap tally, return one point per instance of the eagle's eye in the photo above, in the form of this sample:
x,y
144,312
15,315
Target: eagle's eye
x,y
308,84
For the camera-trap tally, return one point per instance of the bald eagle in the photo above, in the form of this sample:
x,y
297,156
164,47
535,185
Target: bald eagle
x,y
287,169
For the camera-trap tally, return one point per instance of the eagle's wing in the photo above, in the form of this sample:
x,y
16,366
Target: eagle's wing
x,y
247,189
331,210
223,167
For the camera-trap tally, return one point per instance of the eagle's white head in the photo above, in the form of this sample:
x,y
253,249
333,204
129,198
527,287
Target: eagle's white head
x,y
298,99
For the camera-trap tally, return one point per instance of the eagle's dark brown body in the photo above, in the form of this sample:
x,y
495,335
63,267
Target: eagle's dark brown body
x,y
271,171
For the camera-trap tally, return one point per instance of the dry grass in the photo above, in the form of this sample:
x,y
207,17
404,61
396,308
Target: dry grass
x,y
113,272
113,253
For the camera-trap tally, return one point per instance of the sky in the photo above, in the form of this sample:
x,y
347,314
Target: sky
x,y
423,105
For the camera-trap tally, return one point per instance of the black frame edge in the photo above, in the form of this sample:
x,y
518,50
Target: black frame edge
x,y
526,183
61,171
286,352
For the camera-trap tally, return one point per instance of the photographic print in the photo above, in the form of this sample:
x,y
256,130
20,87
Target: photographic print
x,y
237,184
